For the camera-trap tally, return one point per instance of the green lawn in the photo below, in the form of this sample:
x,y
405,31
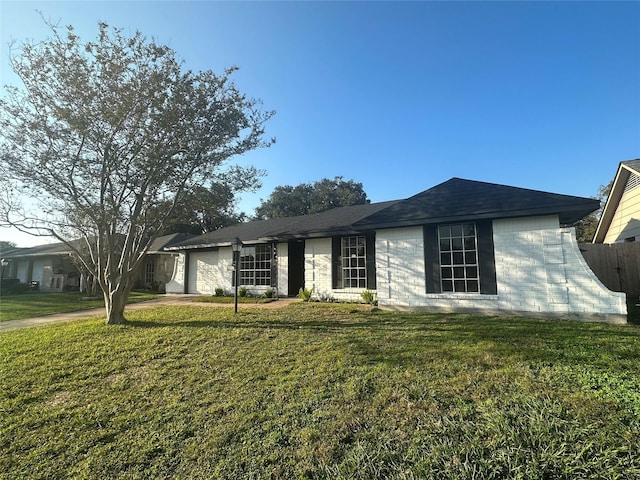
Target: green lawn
x,y
225,299
35,304
320,391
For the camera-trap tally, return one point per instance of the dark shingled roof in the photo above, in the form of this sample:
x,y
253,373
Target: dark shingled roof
x,y
633,164
159,244
458,199
453,200
337,221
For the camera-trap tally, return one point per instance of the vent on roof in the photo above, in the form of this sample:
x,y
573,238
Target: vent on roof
x,y
633,182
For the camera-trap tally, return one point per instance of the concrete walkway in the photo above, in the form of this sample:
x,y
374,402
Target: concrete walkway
x,y
99,312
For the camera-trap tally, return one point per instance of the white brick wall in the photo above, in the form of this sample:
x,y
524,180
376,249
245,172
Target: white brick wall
x,y
539,269
176,284
220,273
283,269
317,272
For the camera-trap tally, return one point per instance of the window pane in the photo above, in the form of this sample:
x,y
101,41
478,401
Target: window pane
x,y
458,258
456,230
354,262
255,265
469,230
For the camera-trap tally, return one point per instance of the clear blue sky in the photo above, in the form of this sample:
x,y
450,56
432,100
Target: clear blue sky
x,y
404,95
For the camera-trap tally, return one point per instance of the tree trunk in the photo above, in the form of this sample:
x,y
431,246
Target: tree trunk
x,y
114,304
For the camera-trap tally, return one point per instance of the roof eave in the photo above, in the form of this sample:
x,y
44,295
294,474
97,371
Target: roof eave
x,y
617,189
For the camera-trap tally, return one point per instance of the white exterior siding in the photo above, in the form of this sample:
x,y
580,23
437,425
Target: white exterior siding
x,y
176,284
625,223
204,274
539,269
283,269
400,267
318,273
317,266
213,269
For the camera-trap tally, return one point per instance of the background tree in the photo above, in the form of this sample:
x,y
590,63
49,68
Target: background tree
x,y
325,194
586,227
105,132
4,245
203,210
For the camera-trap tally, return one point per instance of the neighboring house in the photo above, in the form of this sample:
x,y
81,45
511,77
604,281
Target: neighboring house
x,y
614,254
157,268
53,270
50,266
620,219
460,246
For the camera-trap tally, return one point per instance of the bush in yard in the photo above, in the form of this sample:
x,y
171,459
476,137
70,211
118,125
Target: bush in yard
x,y
369,297
12,286
305,294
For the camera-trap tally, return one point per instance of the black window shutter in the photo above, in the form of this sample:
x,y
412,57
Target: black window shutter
x,y
431,259
336,263
371,261
486,257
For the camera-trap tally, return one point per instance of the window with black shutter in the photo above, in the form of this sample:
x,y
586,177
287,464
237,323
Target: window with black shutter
x,y
353,260
459,258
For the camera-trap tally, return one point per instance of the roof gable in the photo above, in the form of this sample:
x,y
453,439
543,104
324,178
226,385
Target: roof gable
x,y
460,199
627,176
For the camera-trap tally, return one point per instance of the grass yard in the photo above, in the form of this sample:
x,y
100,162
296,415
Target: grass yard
x,y
320,391
224,299
36,304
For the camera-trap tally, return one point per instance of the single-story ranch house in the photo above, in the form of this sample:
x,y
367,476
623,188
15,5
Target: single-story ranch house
x,y
460,246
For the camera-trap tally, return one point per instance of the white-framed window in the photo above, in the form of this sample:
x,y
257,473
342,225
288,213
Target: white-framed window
x,y
458,248
255,265
354,261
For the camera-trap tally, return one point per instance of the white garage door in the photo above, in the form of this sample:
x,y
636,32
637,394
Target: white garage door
x,y
203,272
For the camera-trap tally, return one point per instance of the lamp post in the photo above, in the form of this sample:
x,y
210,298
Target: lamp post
x,y
236,246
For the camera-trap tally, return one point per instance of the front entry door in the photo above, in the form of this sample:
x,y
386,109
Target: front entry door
x,y
296,266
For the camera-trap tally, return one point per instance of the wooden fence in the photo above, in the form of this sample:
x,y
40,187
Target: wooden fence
x,y
617,265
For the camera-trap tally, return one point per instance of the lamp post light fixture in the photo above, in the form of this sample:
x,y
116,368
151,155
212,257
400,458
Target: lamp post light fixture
x,y
237,247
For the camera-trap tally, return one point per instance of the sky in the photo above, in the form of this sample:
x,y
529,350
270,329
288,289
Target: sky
x,y
401,96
